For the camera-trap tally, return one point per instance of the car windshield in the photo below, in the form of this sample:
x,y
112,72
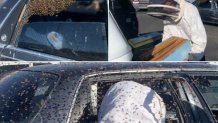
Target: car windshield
x,y
23,93
2,2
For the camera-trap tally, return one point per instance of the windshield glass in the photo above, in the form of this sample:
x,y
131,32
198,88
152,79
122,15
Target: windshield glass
x,y
2,2
22,94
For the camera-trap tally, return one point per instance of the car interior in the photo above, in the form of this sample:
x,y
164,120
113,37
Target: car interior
x,y
205,4
208,86
72,33
86,107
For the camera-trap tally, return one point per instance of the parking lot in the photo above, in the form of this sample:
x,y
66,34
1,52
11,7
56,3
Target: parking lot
x,y
150,24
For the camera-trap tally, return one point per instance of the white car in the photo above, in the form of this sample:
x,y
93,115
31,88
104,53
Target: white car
x,y
123,26
118,48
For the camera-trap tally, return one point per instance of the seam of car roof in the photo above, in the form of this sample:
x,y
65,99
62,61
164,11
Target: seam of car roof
x,y
109,72
149,67
148,70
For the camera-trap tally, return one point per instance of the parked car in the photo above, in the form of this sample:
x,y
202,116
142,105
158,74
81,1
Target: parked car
x,y
79,32
208,10
72,92
140,4
118,47
123,26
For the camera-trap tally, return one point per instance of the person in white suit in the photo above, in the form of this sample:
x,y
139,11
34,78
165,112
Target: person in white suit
x,y
131,102
181,19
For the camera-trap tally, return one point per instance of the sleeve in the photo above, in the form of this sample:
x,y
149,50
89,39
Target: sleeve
x,y
198,33
166,31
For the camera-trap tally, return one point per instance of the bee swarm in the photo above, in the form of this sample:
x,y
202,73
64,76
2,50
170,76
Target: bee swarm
x,y
48,7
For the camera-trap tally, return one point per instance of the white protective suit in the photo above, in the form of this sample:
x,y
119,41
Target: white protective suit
x,y
190,27
131,102
181,19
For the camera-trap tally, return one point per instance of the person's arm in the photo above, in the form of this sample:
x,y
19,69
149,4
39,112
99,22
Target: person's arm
x,y
166,31
198,36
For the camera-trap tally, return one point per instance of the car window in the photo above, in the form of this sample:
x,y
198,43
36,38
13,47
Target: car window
x,y
2,2
73,40
78,32
87,110
194,107
125,16
208,86
92,91
205,5
23,93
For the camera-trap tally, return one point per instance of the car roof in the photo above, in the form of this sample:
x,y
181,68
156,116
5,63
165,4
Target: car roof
x,y
92,67
63,96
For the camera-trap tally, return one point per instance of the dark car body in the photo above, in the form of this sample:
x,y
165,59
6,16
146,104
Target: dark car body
x,y
83,33
208,10
72,92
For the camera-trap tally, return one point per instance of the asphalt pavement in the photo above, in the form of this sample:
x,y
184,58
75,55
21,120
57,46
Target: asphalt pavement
x,y
211,52
150,24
